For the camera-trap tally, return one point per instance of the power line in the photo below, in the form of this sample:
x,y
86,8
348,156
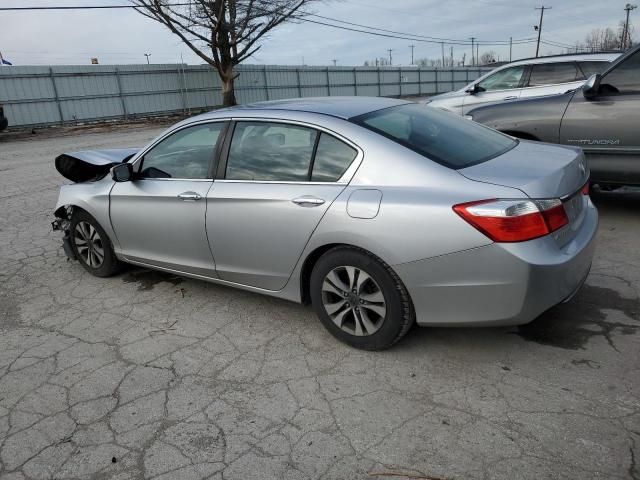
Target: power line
x,y
388,34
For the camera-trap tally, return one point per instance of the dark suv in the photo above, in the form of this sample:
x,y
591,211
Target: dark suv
x,y
4,122
602,117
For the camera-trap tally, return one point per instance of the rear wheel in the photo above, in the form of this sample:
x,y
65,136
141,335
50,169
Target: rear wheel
x,y
359,299
92,246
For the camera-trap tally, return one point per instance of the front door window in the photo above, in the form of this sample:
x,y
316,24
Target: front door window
x,y
506,79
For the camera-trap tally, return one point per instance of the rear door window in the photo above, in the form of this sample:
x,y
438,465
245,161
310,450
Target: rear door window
x,y
332,159
266,151
552,73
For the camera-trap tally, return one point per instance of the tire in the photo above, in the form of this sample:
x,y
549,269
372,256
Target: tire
x,y
369,313
83,226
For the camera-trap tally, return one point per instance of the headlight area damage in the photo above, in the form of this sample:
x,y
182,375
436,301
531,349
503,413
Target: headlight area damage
x,y
82,167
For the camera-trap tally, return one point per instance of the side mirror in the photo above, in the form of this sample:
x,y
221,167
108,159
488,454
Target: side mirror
x,y
475,88
591,87
122,172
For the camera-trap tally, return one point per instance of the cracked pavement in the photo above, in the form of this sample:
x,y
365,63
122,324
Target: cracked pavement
x,y
150,375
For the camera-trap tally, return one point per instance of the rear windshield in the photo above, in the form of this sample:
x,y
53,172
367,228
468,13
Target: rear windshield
x,y
440,136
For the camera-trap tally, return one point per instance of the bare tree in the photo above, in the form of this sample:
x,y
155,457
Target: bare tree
x,y
223,33
601,39
487,57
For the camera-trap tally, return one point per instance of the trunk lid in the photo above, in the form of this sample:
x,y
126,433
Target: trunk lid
x,y
539,170
91,165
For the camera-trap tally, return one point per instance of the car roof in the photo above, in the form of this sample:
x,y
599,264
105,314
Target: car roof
x,y
584,57
341,107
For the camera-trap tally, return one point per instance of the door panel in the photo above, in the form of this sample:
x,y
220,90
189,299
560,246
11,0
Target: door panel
x,y
475,100
154,225
606,126
258,232
544,90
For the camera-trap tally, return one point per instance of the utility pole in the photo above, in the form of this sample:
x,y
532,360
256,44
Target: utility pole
x,y
412,47
390,57
147,55
625,33
539,28
478,53
442,46
510,47
452,56
473,62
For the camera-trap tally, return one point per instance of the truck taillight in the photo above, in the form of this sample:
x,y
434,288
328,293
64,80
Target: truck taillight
x,y
514,220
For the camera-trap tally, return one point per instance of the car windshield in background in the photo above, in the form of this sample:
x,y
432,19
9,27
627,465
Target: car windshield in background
x,y
440,136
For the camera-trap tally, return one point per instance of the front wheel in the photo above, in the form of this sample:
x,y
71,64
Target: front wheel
x,y
92,246
360,299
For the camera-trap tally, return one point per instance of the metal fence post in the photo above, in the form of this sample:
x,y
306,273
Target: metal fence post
x,y
266,83
55,93
436,72
419,81
379,86
299,84
355,82
183,87
400,79
328,83
453,84
122,102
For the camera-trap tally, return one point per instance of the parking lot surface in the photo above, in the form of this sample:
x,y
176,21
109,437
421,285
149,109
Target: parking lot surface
x,y
150,375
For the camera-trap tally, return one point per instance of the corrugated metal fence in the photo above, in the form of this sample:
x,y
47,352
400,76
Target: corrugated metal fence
x,y
73,94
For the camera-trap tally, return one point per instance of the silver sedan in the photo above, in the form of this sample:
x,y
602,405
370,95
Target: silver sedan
x,y
378,212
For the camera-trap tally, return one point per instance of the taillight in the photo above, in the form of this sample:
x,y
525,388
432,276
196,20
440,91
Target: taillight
x,y
514,220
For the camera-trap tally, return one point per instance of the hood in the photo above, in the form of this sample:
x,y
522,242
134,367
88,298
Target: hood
x,y
442,96
539,170
91,165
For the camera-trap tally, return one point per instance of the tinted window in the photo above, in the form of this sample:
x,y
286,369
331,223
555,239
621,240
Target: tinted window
x,y
333,157
185,154
270,151
550,73
589,68
443,137
625,78
503,80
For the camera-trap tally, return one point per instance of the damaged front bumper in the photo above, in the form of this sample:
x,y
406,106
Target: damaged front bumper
x,y
62,224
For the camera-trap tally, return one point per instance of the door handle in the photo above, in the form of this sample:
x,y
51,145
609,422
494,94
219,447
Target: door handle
x,y
189,196
308,201
513,97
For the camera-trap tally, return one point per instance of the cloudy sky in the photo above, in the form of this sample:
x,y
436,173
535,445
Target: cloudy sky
x,y
124,36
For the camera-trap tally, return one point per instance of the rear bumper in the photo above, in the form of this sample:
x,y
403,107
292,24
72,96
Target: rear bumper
x,y
500,284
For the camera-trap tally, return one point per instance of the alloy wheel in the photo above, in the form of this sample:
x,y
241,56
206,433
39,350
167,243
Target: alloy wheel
x,y
89,244
353,300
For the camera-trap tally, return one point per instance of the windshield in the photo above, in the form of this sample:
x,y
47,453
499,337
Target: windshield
x,y
440,136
